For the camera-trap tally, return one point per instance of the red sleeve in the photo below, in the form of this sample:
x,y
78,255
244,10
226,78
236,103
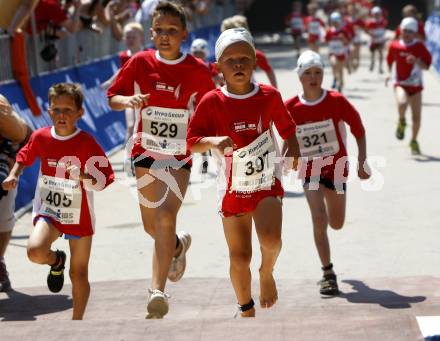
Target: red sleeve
x,y
262,61
124,82
351,116
282,119
390,55
99,166
201,124
425,55
205,82
27,155
327,35
397,35
422,30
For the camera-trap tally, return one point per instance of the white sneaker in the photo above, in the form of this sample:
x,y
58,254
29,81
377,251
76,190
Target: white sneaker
x,y
178,264
157,306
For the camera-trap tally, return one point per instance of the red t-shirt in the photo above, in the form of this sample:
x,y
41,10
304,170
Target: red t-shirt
x,y
377,30
405,74
244,118
295,21
71,212
48,11
420,31
314,27
262,61
175,87
337,40
321,133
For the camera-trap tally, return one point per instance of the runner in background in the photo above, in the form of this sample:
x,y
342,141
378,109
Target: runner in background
x,y
295,23
73,165
410,11
236,122
314,27
337,39
164,86
237,21
320,116
354,17
376,28
406,59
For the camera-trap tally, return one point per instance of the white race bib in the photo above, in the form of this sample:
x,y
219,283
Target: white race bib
x,y
253,166
336,47
378,35
315,28
297,23
317,139
60,199
164,130
415,77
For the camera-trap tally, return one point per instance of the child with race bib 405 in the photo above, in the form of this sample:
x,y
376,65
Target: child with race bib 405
x,y
320,116
236,122
163,86
72,166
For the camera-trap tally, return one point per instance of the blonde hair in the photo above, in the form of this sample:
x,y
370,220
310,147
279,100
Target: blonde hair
x,y
236,21
67,89
134,26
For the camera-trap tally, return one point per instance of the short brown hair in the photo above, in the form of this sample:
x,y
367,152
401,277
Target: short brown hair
x,y
171,8
67,89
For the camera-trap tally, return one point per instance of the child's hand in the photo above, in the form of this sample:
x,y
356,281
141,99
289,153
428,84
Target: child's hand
x,y
137,101
73,172
364,171
410,59
291,163
387,80
10,182
221,143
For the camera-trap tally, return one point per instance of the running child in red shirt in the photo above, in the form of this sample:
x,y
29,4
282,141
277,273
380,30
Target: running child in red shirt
x,y
295,22
406,59
72,165
236,122
164,87
320,116
355,19
376,28
314,27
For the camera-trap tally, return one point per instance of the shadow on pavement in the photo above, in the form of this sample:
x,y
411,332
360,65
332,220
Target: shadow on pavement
x,y
385,298
22,307
356,97
427,158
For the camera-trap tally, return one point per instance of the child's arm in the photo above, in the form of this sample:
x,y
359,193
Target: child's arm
x,y
364,170
291,152
213,142
12,179
120,102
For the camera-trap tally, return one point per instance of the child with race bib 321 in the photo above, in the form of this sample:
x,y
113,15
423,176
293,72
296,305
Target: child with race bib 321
x,y
236,121
320,116
72,166
164,86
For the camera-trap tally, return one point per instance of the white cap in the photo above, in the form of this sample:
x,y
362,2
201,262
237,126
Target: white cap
x,y
409,24
199,45
336,17
376,10
231,36
308,59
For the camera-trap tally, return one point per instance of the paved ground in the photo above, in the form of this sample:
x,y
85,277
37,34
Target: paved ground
x,y
387,255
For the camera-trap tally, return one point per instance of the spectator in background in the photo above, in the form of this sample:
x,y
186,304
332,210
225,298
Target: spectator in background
x,y
93,15
14,132
120,13
240,21
144,17
410,11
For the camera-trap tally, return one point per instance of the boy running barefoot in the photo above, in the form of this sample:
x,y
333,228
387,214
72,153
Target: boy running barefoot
x,y
236,122
72,165
407,58
320,116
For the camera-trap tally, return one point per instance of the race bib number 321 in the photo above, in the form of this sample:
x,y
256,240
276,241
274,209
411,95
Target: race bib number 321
x,y
60,199
164,130
253,166
317,139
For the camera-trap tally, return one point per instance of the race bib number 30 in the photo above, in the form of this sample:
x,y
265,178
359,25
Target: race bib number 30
x,y
253,166
60,199
164,130
317,139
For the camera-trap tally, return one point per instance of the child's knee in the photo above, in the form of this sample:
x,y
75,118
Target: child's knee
x,y
78,275
165,218
337,223
240,259
320,221
36,254
271,241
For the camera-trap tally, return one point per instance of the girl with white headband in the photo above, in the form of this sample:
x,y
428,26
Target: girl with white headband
x,y
236,122
320,116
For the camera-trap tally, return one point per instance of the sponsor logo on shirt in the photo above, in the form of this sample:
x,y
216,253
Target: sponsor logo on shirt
x,y
168,88
240,127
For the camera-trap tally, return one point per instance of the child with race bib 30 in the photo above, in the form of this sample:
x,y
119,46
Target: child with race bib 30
x,y
72,166
236,122
320,116
164,86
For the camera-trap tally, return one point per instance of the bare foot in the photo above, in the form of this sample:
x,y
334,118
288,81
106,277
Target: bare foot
x,y
268,290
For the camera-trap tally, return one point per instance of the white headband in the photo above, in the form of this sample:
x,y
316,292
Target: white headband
x,y
230,37
307,60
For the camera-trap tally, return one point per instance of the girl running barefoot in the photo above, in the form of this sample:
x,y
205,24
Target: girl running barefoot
x,y
236,122
164,86
320,116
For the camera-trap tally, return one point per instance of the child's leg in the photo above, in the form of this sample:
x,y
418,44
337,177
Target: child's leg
x,y
340,74
159,218
268,219
38,247
415,102
79,265
335,206
373,58
333,64
238,233
380,51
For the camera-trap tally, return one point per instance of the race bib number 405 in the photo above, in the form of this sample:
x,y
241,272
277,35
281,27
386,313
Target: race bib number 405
x,y
253,166
164,130
60,199
317,139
